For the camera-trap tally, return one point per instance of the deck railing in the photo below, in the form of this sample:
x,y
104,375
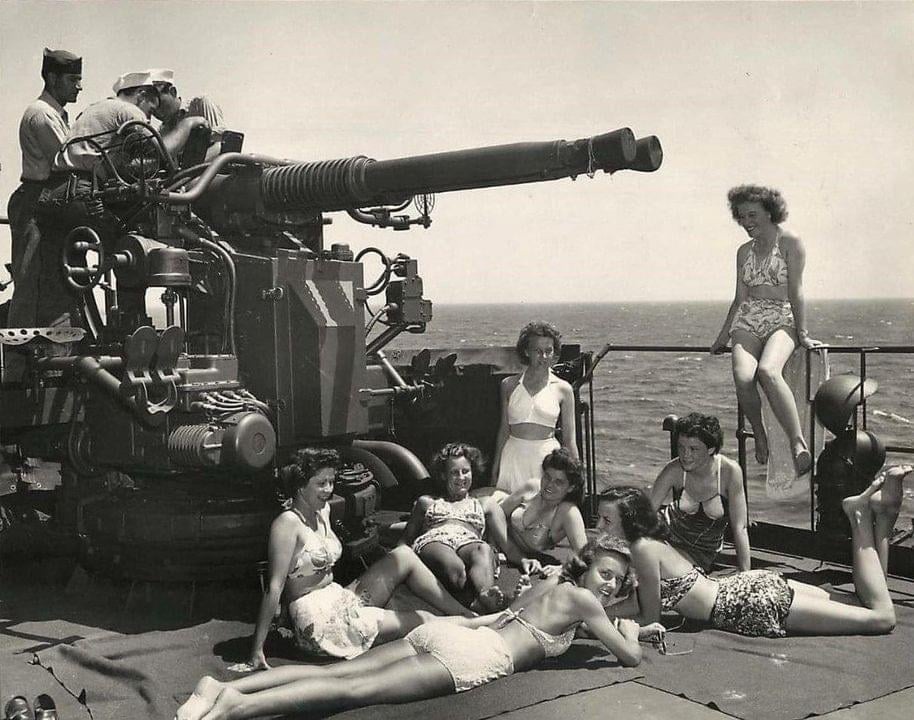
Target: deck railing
x,y
742,434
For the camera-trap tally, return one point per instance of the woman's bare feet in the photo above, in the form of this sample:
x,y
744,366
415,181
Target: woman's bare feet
x,y
802,458
857,506
226,705
887,500
491,599
761,448
201,700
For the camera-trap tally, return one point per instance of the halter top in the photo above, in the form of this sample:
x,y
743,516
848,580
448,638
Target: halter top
x,y
768,270
320,550
553,645
536,537
542,408
468,511
673,590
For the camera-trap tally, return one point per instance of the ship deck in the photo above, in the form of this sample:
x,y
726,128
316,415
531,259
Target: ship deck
x,y
105,649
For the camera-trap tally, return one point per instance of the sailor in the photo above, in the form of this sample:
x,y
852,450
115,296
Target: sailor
x,y
42,130
179,122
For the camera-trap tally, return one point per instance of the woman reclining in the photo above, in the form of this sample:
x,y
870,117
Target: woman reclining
x,y
757,602
440,658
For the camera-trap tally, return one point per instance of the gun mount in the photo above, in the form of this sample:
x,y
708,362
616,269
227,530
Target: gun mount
x,y
170,431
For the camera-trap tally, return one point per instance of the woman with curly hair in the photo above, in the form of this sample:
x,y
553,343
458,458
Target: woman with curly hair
x,y
328,619
700,492
446,531
441,658
757,602
532,404
546,511
767,318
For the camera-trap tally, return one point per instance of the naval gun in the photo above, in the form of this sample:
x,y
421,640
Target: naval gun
x,y
170,430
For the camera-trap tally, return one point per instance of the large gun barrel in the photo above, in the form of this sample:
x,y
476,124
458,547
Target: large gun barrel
x,y
359,181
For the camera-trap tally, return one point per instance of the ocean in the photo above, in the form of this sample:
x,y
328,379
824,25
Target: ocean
x,y
634,391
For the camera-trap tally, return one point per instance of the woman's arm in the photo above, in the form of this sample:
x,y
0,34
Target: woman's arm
x,y
646,561
281,547
569,421
664,483
742,292
415,526
620,637
507,385
572,527
796,264
739,514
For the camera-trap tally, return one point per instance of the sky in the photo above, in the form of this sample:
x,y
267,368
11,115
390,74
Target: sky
x,y
816,99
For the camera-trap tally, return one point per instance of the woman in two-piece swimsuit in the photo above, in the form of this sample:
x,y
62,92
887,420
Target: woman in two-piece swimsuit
x,y
446,532
441,658
328,619
767,318
707,494
757,602
532,404
544,512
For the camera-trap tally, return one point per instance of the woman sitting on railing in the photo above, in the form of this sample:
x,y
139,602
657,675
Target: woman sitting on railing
x,y
707,494
757,602
441,658
532,404
545,512
767,318
329,619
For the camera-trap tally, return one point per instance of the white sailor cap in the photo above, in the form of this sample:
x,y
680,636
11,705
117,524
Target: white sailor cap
x,y
131,80
161,75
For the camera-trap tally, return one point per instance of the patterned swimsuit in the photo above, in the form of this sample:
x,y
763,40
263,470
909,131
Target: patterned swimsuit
x,y
762,316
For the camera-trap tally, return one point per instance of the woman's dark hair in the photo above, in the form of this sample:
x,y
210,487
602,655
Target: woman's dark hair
x,y
562,459
638,517
537,328
704,427
307,463
578,564
769,198
456,450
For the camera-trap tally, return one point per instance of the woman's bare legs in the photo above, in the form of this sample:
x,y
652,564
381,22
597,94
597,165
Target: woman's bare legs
x,y
814,615
446,564
777,351
413,677
745,354
402,565
886,504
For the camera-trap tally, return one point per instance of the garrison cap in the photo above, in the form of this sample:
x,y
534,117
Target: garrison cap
x,y
161,75
131,80
61,61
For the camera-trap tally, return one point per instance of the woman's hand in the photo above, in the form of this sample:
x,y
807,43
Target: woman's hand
x,y
719,345
551,570
530,566
654,632
808,342
258,661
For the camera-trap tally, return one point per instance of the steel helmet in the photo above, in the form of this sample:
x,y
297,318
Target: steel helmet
x,y
837,397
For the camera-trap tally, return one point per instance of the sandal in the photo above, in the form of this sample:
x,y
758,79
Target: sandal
x,y
45,709
18,708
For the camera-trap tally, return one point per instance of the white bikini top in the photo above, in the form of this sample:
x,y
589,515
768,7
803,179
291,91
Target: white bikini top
x,y
540,409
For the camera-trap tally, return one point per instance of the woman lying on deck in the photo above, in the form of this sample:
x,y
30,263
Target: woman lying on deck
x,y
758,602
327,618
441,658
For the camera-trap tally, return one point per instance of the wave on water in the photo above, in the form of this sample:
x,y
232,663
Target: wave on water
x,y
893,416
